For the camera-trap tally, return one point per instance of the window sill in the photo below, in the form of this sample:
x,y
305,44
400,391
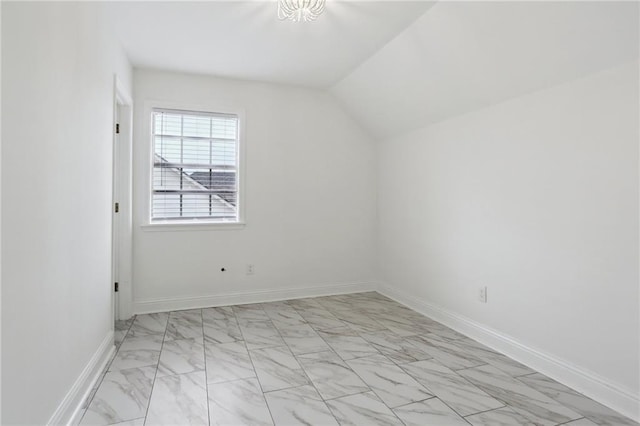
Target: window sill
x,y
192,226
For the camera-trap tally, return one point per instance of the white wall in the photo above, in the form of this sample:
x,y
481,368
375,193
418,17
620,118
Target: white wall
x,y
310,198
536,198
58,65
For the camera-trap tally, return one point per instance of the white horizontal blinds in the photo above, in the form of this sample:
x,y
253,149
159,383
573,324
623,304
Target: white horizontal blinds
x,y
195,166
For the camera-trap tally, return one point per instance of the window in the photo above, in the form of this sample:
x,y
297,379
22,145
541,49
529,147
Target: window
x,y
195,167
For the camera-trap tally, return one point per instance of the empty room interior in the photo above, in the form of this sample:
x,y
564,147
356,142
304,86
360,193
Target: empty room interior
x,y
320,212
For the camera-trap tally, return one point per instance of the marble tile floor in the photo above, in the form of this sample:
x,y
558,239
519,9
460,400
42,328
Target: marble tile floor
x,y
357,359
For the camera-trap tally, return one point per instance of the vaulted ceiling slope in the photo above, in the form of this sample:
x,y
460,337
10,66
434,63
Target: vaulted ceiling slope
x,y
462,56
245,40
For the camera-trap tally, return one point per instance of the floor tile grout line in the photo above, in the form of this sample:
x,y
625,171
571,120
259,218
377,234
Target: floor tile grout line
x,y
103,373
457,375
517,378
455,371
414,402
127,331
314,352
238,379
376,393
343,361
395,364
439,399
352,394
560,404
206,374
365,312
155,376
363,381
404,340
487,411
255,371
557,401
310,382
491,353
360,377
447,352
467,382
361,393
359,333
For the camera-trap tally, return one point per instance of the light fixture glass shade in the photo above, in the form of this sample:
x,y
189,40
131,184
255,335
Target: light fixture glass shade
x,y
300,10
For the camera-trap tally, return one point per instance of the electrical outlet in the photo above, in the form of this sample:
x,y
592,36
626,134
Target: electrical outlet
x,y
250,269
482,295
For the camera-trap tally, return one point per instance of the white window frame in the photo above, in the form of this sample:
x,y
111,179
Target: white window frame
x,y
201,224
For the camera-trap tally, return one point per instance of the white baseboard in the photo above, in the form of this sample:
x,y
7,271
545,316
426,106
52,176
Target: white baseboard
x,y
598,388
239,298
70,409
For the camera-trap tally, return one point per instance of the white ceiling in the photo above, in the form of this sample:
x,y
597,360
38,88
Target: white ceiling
x,y
395,65
245,40
462,56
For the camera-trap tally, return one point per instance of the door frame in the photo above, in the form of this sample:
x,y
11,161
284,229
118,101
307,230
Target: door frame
x,y
121,222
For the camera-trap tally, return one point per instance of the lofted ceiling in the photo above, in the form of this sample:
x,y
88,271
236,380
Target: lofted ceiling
x,y
394,65
245,39
462,56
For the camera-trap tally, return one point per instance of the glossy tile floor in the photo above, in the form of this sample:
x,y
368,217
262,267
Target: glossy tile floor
x,y
359,359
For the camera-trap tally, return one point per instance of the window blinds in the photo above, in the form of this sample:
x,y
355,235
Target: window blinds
x,y
195,166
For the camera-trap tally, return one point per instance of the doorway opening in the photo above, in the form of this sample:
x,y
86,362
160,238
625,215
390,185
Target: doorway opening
x,y
122,238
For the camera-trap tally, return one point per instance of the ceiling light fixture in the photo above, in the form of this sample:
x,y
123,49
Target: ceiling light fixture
x,y
300,10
